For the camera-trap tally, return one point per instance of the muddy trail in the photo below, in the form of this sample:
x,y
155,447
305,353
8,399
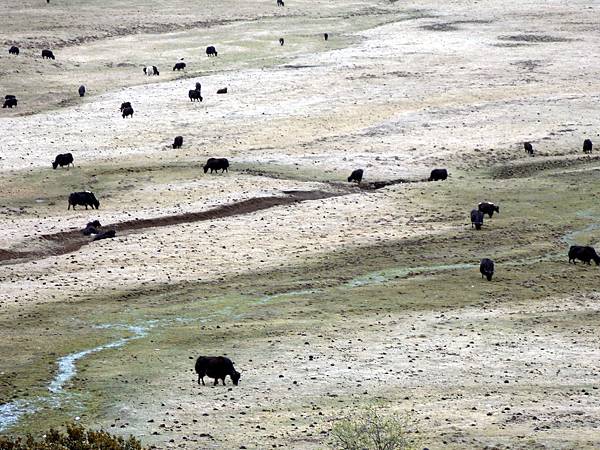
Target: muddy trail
x,y
70,241
365,185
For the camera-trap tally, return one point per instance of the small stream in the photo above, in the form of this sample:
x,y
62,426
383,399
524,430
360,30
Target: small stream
x,y
11,413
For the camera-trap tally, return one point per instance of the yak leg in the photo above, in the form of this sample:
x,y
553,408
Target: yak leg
x,y
216,381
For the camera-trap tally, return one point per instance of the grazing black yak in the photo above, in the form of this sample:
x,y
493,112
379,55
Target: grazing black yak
x,y
488,208
47,54
528,148
217,367
91,228
211,51
81,90
178,142
222,91
476,219
438,174
216,164
10,102
587,146
356,175
64,159
179,66
326,36
486,267
14,50
125,105
128,112
585,254
281,41
85,198
194,95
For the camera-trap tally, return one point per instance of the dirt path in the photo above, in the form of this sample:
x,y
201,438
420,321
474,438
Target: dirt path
x,y
70,241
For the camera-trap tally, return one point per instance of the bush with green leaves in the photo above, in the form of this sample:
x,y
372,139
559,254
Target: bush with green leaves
x,y
75,438
372,430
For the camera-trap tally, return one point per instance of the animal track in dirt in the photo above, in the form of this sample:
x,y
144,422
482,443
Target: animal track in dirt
x,y
69,241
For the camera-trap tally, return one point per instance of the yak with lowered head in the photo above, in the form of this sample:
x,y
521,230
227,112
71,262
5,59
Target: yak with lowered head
x,y
438,174
488,208
10,102
64,159
217,367
216,164
585,254
47,54
528,148
178,142
356,175
85,198
587,146
486,267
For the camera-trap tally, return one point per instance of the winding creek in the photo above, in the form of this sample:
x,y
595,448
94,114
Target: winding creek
x,y
11,413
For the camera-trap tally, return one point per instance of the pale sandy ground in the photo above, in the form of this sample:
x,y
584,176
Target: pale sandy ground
x,y
456,370
395,99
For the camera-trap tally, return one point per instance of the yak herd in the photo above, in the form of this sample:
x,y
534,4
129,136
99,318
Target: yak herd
x,y
219,367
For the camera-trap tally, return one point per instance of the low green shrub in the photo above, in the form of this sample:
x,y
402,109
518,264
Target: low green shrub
x,y
76,437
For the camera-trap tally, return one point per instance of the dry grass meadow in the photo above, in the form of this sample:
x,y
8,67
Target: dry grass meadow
x,y
329,297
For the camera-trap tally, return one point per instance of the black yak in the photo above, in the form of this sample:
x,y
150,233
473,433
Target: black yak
x,y
585,254
326,36
128,112
85,198
10,102
486,267
194,95
81,90
222,91
47,54
178,142
356,175
216,164
438,174
125,105
528,148
281,41
217,367
587,146
91,228
179,66
488,208
64,159
476,219
14,50
211,51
